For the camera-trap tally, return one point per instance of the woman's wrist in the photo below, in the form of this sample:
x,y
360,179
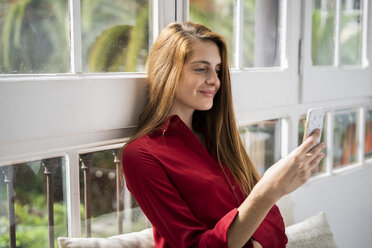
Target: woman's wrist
x,y
266,192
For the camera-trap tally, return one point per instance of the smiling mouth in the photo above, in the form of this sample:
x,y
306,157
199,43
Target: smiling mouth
x,y
207,93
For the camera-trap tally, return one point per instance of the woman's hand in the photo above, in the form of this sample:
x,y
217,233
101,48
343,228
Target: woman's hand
x,y
280,179
291,172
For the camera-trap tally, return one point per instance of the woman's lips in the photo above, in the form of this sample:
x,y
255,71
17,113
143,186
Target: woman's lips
x,y
207,93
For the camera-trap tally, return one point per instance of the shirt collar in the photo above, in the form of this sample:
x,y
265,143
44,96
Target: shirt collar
x,y
174,123
167,125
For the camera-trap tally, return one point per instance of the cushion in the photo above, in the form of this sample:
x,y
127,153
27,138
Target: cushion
x,y
142,239
312,232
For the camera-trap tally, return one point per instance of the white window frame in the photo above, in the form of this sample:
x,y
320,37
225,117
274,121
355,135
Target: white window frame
x,y
322,83
42,112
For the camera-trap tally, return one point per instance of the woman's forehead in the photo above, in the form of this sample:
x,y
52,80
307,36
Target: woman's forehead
x,y
206,51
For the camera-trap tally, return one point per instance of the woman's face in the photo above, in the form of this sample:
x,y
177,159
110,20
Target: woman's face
x,y
199,80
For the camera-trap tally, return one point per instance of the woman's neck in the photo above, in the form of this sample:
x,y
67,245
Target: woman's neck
x,y
186,117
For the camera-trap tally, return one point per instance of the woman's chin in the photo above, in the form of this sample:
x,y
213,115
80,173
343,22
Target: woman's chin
x,y
205,108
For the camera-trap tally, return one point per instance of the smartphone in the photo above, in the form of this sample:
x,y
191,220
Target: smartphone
x,y
314,120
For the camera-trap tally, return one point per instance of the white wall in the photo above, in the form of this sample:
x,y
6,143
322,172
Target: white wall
x,y
39,115
345,197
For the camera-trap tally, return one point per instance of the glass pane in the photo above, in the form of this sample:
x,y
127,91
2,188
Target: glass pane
x,y
301,129
351,33
115,35
99,186
34,36
261,33
263,143
30,182
218,15
368,137
345,138
322,38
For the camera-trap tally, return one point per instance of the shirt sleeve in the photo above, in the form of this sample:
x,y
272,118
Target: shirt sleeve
x,y
271,232
163,205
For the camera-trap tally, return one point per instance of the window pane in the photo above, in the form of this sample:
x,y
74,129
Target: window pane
x,y
115,35
261,33
217,15
301,129
323,22
368,137
345,138
34,37
263,143
351,33
99,187
28,183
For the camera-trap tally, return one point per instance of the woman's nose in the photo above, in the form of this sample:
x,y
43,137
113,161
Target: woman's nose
x,y
213,78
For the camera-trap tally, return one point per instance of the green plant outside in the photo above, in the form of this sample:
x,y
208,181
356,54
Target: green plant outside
x,y
32,230
34,37
322,45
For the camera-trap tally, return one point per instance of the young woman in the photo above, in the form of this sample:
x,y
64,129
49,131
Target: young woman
x,y
186,165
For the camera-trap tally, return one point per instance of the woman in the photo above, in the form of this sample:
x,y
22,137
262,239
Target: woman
x,y
186,165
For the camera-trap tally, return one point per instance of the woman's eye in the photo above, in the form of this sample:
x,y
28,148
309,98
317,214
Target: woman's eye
x,y
200,70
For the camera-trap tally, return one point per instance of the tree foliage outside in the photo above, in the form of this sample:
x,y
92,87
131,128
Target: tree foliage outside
x,y
115,36
34,36
32,230
323,37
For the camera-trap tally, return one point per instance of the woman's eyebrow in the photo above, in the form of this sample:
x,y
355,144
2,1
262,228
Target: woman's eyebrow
x,y
202,62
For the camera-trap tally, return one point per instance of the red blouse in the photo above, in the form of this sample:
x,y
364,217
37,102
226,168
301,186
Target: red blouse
x,y
184,193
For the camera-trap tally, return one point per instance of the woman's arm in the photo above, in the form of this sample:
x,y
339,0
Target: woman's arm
x,y
280,179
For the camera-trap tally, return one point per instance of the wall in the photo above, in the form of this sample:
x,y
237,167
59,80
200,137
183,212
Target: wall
x,y
345,197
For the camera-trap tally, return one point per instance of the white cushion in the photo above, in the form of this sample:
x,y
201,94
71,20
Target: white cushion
x,y
312,232
142,239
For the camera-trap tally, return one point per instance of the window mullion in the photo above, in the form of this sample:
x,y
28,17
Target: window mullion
x,y
164,13
75,33
361,122
155,20
329,140
336,58
238,33
182,10
364,32
283,8
73,194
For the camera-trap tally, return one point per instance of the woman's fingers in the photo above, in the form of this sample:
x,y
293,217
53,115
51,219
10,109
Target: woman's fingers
x,y
306,163
310,142
294,170
315,151
315,162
